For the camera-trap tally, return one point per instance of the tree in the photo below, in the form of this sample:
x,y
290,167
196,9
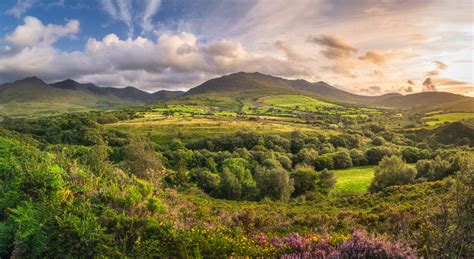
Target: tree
x,y
391,171
239,168
412,154
327,181
139,157
378,141
306,156
230,188
324,162
305,180
433,169
342,160
206,180
375,154
275,183
358,157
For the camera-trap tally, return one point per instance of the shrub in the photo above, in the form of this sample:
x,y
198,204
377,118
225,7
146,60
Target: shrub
x,y
413,154
342,160
391,171
306,156
305,179
358,158
324,162
139,156
274,183
375,154
207,181
230,188
327,181
378,141
433,169
362,246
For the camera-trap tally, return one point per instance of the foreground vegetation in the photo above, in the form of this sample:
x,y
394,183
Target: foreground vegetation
x,y
308,179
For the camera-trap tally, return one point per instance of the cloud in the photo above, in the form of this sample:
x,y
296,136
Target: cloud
x,y
451,82
340,69
377,57
151,8
405,90
410,82
419,37
408,89
440,65
428,85
334,47
21,7
290,52
432,73
133,13
378,74
372,90
34,33
173,60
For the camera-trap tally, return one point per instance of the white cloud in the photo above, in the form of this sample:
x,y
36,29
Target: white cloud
x,y
21,7
152,6
174,60
34,33
133,13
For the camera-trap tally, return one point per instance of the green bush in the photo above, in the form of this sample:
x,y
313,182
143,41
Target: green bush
x,y
391,171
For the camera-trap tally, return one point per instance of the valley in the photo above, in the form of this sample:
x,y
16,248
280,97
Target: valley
x,y
223,171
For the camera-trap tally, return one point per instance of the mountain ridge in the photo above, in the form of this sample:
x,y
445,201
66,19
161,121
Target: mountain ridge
x,y
242,82
236,85
128,93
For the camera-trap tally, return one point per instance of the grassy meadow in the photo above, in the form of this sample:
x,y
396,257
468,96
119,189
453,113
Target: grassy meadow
x,y
438,119
353,180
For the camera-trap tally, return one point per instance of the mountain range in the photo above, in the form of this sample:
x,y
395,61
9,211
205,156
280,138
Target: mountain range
x,y
32,95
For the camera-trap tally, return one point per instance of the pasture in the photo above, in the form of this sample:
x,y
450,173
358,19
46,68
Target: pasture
x,y
353,180
438,119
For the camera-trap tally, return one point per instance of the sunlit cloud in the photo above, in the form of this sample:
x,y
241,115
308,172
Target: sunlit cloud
x,y
390,44
428,85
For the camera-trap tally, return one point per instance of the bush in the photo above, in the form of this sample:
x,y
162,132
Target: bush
x,y
230,188
275,183
324,162
342,160
139,156
305,179
391,171
207,181
327,181
433,169
358,158
413,154
375,154
378,141
306,156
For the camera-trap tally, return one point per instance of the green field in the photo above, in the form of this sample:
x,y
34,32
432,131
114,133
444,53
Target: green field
x,y
354,180
437,119
295,102
162,129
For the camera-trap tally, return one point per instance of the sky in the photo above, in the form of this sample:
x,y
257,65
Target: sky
x,y
362,46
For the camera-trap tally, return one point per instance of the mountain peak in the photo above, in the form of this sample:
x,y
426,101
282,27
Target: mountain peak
x,y
66,84
31,80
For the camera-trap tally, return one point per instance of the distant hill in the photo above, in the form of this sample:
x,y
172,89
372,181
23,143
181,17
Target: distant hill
x,y
257,84
32,96
128,93
241,83
457,133
426,100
